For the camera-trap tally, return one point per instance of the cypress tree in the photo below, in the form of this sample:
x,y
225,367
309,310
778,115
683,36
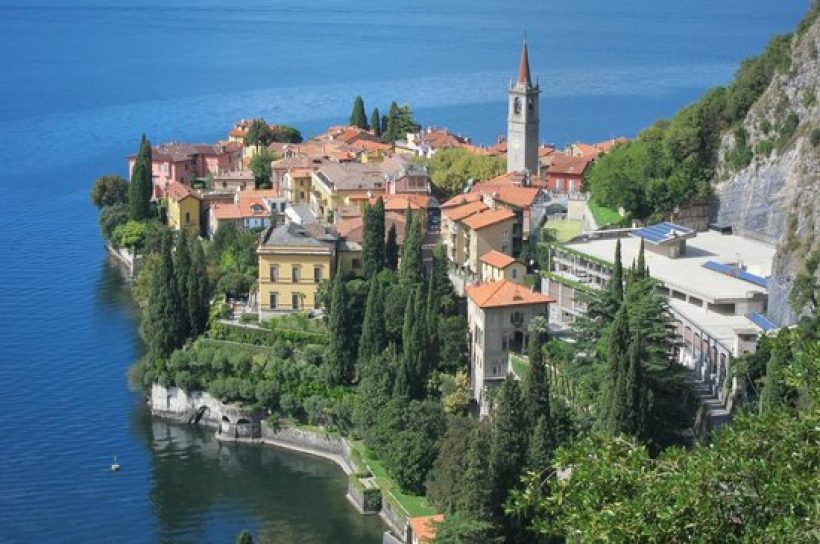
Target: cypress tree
x,y
159,325
432,320
774,394
385,122
373,249
539,451
536,382
182,271
616,282
615,398
420,343
340,354
508,448
199,296
391,249
140,188
634,417
405,377
373,340
392,132
358,117
410,266
476,496
376,122
445,294
640,270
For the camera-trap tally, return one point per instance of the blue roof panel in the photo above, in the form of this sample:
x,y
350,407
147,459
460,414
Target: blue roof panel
x,y
761,321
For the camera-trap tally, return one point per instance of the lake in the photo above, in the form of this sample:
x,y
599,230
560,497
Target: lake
x,y
82,80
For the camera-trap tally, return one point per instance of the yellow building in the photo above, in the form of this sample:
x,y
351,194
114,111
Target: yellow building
x,y
183,208
335,184
473,229
497,266
293,262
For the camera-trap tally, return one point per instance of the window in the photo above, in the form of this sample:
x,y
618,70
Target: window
x,y
187,218
224,184
514,273
274,273
357,263
317,274
517,319
295,300
273,301
504,344
294,274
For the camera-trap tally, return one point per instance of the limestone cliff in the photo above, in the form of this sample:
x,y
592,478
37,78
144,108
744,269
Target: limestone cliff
x,y
776,197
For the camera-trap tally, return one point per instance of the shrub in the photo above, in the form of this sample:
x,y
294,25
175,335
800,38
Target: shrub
x,y
815,137
764,148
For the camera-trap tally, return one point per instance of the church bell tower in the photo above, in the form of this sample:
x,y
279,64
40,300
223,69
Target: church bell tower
x,y
522,120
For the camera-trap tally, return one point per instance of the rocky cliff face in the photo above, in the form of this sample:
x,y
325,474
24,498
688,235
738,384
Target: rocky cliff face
x,y
776,198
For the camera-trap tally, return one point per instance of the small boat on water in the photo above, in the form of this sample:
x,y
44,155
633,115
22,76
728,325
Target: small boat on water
x,y
115,466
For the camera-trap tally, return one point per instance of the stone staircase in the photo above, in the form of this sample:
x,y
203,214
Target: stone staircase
x,y
717,411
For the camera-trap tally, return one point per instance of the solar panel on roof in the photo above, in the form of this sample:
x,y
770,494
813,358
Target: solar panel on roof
x,y
734,272
753,278
761,321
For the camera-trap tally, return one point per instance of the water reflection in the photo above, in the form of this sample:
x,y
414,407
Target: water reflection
x,y
281,496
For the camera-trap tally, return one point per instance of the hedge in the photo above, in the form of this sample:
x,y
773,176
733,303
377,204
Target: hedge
x,y
263,337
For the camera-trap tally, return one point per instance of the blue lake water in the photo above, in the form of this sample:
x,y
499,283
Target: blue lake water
x,y
83,79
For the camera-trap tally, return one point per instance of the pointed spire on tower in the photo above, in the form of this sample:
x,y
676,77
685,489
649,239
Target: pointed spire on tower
x,y
524,66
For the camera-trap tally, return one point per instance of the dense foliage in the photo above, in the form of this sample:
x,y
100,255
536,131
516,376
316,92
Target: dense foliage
x,y
358,117
673,161
141,188
109,190
260,133
450,169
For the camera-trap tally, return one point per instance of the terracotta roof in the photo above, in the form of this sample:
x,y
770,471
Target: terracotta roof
x,y
524,67
178,191
501,293
352,176
496,259
606,145
545,151
459,213
400,202
488,218
424,528
353,228
222,210
567,164
508,179
521,197
587,150
458,200
442,138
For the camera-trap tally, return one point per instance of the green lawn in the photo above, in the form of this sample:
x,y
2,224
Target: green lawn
x,y
519,366
413,505
603,216
565,229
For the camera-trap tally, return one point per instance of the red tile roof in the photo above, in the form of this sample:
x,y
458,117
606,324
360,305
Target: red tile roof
x,y
524,67
606,145
567,164
424,528
353,228
501,293
459,213
178,191
458,200
496,259
488,218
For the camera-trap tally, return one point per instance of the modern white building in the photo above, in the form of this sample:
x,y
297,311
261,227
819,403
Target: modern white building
x,y
716,285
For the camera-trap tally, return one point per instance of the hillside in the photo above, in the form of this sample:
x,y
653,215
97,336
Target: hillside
x,y
767,177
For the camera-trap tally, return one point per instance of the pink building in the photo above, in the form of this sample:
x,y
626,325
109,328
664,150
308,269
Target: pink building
x,y
185,162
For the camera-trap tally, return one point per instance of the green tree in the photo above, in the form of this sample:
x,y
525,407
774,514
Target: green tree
x,y
286,134
373,248
450,169
259,134
461,528
775,393
444,292
182,273
391,249
160,326
400,122
112,217
109,190
410,266
341,353
508,450
198,290
615,402
536,382
413,445
539,449
358,118
406,376
444,482
130,235
141,187
373,340
245,537
261,168
376,122
476,498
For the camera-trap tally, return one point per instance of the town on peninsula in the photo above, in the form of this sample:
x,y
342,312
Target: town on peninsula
x,y
518,342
